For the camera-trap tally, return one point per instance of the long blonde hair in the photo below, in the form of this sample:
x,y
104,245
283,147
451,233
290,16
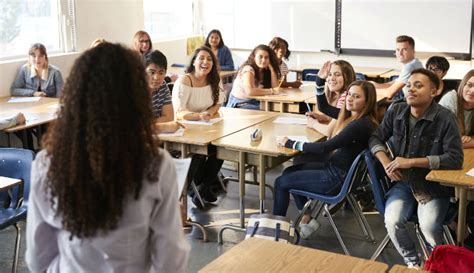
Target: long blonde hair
x,y
460,104
370,109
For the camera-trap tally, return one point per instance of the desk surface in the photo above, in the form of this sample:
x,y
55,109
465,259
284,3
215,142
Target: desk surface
x,y
257,255
234,120
36,113
241,140
290,95
372,72
456,177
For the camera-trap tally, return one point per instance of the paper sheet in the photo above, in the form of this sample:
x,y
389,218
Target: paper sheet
x,y
470,172
201,122
182,167
24,99
177,133
290,120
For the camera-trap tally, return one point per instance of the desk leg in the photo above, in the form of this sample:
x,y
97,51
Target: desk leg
x,y
281,107
461,216
266,106
261,166
242,188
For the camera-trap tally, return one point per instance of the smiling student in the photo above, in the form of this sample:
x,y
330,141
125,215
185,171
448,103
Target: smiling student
x,y
215,42
38,78
258,76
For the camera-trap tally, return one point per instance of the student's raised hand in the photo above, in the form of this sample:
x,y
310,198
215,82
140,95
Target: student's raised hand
x,y
281,141
324,71
20,118
39,94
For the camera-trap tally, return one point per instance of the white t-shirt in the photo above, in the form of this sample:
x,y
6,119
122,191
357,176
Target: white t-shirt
x,y
450,101
194,99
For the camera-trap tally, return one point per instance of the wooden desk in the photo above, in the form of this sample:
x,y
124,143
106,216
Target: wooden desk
x,y
265,154
39,112
403,269
462,183
371,72
7,183
257,255
289,100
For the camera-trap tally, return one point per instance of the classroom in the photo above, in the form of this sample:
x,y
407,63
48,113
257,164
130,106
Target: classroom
x,y
237,136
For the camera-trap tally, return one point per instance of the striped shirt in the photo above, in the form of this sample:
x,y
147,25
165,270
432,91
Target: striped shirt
x,y
283,68
160,97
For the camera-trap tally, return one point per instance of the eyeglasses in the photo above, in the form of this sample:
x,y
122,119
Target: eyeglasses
x,y
435,69
144,41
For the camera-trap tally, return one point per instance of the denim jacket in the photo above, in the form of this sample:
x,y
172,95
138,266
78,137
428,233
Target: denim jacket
x,y
26,83
435,136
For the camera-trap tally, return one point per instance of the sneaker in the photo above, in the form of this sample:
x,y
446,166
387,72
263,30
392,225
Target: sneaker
x,y
307,229
413,266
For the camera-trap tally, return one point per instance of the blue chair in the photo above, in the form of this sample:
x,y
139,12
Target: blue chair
x,y
360,77
380,185
356,173
392,78
178,65
309,74
15,163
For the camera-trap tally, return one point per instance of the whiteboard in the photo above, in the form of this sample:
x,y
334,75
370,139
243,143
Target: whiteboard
x,y
436,25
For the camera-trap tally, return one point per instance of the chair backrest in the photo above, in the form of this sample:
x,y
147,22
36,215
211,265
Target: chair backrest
x,y
392,78
451,84
16,163
360,77
378,179
309,74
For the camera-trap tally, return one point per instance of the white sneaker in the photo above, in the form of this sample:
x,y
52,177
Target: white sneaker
x,y
413,266
307,229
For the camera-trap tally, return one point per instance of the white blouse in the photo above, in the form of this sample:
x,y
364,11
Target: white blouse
x,y
194,99
149,237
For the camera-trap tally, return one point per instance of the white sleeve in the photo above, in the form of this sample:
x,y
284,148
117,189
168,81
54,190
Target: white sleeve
x,y
222,97
180,96
449,100
168,246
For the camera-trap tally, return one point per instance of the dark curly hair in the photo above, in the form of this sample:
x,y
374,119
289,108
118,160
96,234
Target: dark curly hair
x,y
102,145
266,80
213,77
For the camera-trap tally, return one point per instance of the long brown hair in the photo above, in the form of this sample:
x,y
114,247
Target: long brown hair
x,y
460,104
102,145
213,78
266,79
348,75
370,109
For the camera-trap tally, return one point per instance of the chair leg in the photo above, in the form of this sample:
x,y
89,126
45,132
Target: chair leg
x,y
380,248
333,224
220,178
421,240
361,220
195,189
448,238
17,248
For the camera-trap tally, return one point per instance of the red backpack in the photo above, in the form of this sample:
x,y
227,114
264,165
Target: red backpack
x,y
449,258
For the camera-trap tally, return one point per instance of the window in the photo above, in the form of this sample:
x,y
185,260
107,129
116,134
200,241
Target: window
x,y
168,19
24,22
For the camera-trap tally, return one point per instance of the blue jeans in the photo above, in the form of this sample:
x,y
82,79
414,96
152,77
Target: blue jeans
x,y
251,104
322,178
400,206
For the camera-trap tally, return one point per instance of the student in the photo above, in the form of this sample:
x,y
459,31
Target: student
x,y
12,121
198,95
355,123
461,103
333,79
280,46
258,76
142,42
38,78
104,196
440,66
405,52
425,137
215,42
155,67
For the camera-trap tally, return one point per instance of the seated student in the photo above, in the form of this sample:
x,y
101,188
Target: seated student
x,y
12,121
258,76
332,79
405,52
142,42
440,66
38,78
461,103
215,42
155,67
198,95
104,196
425,137
280,46
355,123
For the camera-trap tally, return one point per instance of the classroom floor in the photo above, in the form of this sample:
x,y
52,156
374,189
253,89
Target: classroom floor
x,y
226,211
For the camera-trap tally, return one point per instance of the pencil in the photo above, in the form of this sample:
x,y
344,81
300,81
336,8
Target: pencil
x,y
281,81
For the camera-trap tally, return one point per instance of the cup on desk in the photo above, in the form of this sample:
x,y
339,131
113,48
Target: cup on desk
x,y
256,135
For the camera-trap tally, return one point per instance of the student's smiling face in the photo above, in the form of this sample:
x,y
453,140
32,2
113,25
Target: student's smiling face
x,y
155,76
335,79
468,92
421,90
262,59
404,52
214,40
203,62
